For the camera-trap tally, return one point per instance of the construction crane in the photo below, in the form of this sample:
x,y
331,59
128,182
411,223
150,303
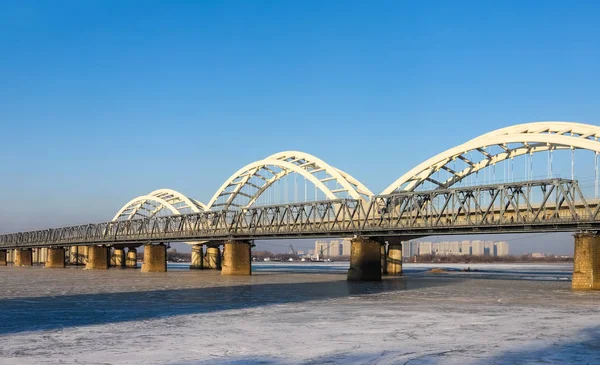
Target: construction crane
x,y
293,252
321,254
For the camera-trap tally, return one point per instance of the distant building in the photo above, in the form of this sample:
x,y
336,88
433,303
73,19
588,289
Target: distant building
x,y
477,248
488,248
446,248
331,248
501,248
425,248
465,248
346,246
410,248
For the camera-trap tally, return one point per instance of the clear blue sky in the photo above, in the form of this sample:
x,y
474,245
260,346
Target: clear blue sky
x,y
101,101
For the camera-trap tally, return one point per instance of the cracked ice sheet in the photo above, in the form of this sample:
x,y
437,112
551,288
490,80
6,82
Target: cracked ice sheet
x,y
417,320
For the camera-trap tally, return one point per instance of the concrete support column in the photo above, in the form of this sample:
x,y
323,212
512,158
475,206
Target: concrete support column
x,y
365,260
44,254
78,255
3,261
131,260
56,257
586,262
155,258
24,257
118,258
197,258
97,258
237,258
394,259
35,256
212,259
384,258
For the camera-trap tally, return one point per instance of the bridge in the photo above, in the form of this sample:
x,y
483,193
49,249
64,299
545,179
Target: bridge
x,y
444,195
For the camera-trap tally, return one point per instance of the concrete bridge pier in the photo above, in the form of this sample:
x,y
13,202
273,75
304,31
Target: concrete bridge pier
x,y
212,259
3,261
131,259
97,258
365,260
55,257
394,259
10,256
155,258
78,255
24,257
384,259
117,259
586,262
43,255
197,258
40,255
35,256
237,259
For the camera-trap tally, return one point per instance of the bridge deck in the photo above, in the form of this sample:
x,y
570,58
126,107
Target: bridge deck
x,y
537,206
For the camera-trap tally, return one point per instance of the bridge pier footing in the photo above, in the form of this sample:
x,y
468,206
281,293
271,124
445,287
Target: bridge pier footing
x,y
237,258
117,258
3,260
97,258
131,260
197,258
24,257
155,258
365,260
56,257
212,259
586,262
394,259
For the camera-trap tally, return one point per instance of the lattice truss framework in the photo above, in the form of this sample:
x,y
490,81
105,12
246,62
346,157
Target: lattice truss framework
x,y
554,205
244,188
494,147
158,202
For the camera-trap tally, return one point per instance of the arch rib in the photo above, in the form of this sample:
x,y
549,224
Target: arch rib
x,y
534,137
249,171
193,204
140,201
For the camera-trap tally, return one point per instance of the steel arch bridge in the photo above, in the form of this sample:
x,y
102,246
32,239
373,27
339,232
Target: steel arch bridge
x,y
244,187
405,209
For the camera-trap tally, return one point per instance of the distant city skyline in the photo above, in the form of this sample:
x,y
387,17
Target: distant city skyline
x,y
456,248
550,243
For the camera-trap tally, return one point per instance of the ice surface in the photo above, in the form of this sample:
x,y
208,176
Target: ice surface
x,y
294,314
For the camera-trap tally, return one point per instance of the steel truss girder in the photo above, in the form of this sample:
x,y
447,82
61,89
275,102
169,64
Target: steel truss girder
x,y
543,205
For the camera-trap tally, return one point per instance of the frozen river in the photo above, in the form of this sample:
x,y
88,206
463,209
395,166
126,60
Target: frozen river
x,y
290,313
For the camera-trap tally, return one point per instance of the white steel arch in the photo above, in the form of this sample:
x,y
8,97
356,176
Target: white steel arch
x,y
513,141
149,205
273,168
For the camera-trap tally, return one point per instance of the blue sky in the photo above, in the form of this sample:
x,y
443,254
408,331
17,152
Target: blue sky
x,y
101,101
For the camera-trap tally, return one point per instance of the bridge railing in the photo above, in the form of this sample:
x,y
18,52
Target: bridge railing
x,y
544,204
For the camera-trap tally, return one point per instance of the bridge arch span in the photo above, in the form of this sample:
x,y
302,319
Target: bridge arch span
x,y
149,205
247,184
510,142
